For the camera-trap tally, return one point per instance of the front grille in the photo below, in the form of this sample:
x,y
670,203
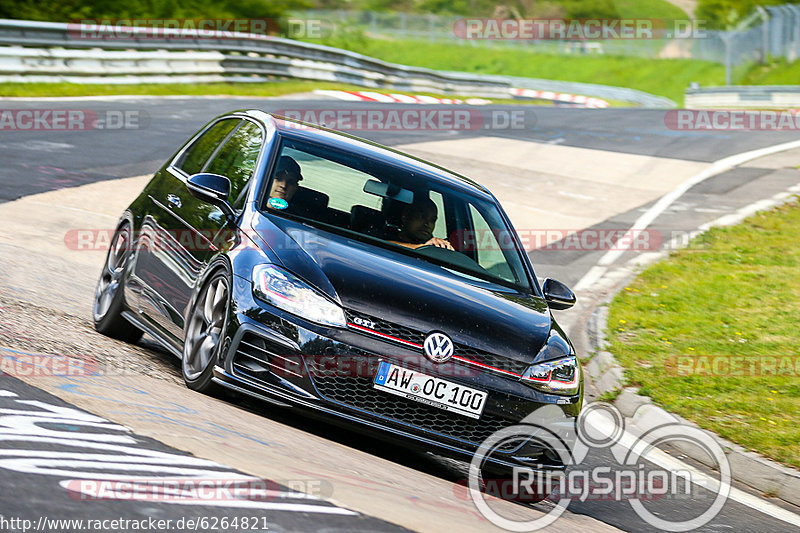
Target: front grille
x,y
495,361
418,337
357,392
388,328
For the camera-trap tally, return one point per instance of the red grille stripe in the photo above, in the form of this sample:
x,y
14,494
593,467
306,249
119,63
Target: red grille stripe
x,y
415,345
470,361
384,335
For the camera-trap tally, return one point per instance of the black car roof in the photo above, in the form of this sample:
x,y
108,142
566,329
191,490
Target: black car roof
x,y
370,149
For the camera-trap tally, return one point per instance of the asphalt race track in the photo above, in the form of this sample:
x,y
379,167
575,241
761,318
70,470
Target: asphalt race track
x,y
37,161
58,430
68,433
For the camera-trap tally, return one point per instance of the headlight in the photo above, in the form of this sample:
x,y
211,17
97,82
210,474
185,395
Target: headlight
x,y
288,292
560,376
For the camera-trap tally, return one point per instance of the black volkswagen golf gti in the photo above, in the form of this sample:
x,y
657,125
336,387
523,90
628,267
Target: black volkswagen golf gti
x,y
314,269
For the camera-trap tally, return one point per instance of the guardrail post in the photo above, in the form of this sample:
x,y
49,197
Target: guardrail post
x,y
764,32
789,34
784,21
796,27
726,39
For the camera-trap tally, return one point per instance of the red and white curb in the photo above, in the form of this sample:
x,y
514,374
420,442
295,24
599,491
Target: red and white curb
x,y
583,101
396,98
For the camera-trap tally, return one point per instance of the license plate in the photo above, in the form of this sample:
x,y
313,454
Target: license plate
x,y
430,390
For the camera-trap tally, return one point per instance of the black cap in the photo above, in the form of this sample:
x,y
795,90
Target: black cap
x,y
287,164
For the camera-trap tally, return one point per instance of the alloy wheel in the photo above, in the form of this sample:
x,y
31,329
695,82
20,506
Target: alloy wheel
x,y
206,326
109,282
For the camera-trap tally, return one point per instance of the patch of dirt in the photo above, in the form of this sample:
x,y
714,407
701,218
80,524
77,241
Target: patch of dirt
x,y
74,346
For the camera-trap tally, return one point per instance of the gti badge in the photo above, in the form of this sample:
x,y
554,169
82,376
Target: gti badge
x,y
364,322
438,347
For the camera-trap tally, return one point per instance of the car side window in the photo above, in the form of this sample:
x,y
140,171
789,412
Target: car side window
x,y
440,230
489,244
237,159
192,159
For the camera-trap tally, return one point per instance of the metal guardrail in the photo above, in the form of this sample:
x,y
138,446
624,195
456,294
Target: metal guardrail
x,y
755,96
47,51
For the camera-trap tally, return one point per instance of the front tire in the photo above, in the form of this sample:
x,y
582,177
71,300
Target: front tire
x,y
109,298
205,333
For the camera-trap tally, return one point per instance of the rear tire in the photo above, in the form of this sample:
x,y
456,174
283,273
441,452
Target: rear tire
x,y
109,298
205,334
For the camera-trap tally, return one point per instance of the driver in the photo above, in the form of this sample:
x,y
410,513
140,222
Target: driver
x,y
286,180
416,226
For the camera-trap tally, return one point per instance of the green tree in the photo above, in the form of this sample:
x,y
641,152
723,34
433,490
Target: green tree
x,y
725,14
67,10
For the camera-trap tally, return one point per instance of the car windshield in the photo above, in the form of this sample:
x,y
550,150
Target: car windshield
x,y
394,207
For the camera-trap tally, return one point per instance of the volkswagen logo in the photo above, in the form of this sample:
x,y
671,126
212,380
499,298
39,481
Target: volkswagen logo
x,y
438,347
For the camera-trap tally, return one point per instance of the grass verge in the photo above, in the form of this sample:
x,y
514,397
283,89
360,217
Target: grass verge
x,y
651,9
277,88
776,72
665,77
711,333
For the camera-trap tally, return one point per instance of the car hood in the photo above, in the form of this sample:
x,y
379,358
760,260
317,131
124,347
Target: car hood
x,y
408,291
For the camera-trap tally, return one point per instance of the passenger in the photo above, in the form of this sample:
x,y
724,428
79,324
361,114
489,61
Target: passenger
x,y
416,226
286,180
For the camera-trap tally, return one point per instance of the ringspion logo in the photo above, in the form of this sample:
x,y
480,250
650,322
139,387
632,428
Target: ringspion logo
x,y
630,475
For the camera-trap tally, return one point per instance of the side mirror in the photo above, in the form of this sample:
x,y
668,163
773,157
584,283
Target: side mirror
x,y
214,189
557,295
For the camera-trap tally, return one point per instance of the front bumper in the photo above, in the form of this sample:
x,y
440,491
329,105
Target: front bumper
x,y
280,358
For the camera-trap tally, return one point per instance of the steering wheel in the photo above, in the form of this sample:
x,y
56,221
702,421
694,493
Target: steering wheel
x,y
453,257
